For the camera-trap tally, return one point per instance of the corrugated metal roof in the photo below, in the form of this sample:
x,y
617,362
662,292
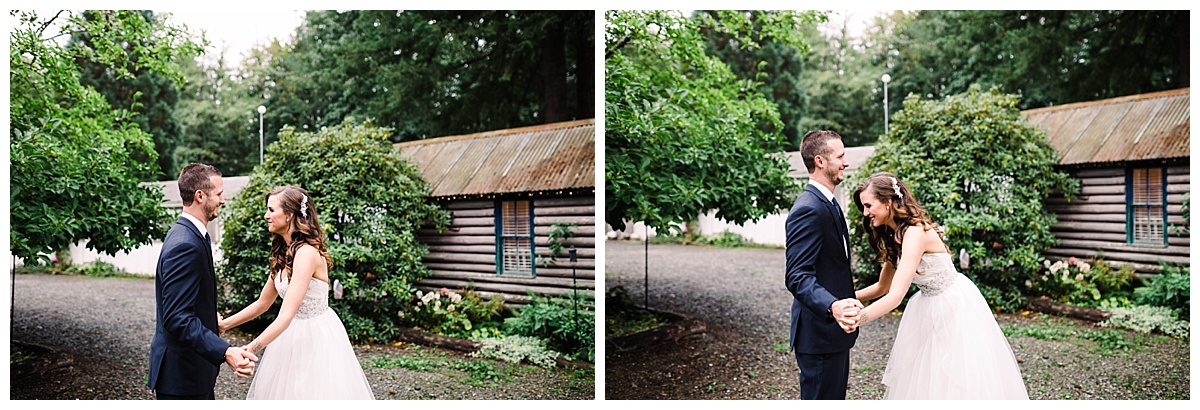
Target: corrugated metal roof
x,y
538,158
1137,127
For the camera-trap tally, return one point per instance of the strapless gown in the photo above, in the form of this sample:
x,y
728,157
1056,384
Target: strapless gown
x,y
313,358
948,345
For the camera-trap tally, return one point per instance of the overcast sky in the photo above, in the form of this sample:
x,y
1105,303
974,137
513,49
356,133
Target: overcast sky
x,y
238,31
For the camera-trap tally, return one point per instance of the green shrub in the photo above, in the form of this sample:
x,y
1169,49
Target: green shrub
x,y
514,349
984,174
1148,318
99,269
370,200
452,314
1171,289
554,319
1092,284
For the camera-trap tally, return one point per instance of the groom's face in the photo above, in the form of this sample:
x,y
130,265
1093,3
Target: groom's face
x,y
836,162
214,198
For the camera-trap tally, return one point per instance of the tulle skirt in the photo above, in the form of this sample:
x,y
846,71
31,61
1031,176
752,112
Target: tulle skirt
x,y
311,360
948,346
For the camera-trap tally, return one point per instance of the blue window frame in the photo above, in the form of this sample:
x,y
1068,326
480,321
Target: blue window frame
x,y
515,239
1146,210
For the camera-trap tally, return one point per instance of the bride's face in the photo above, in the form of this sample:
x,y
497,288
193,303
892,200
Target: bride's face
x,y
874,210
277,220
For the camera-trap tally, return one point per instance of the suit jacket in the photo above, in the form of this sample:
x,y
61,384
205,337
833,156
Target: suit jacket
x,y
818,273
186,353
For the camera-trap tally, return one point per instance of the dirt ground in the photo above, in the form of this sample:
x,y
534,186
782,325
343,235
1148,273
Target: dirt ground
x,y
89,338
740,296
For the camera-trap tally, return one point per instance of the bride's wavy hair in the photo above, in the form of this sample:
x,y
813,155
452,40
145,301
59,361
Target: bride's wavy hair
x,y
306,229
906,212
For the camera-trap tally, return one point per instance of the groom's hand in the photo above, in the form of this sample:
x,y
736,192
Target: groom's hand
x,y
846,311
241,361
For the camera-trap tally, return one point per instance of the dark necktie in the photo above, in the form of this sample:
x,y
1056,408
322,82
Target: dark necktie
x,y
842,229
206,238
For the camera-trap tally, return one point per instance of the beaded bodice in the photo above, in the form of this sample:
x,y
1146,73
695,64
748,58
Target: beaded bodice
x,y
935,273
316,299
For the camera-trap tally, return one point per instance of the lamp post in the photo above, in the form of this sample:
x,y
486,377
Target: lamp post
x,y
261,110
885,79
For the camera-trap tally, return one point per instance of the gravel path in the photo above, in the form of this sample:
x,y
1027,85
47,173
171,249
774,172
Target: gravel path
x,y
740,294
98,331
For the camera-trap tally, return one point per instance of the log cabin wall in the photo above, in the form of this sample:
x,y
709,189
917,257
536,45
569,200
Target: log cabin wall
x,y
465,255
1096,222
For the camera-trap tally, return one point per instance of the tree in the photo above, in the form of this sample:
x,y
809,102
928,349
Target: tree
x,y
370,202
1048,57
150,96
220,124
833,86
984,174
74,158
434,73
684,135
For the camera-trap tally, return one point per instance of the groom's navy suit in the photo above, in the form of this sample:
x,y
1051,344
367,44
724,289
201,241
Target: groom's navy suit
x,y
186,353
818,274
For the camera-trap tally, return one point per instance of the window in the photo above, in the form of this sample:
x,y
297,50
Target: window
x,y
514,238
1147,208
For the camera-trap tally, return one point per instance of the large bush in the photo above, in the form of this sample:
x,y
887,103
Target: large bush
x,y
984,174
371,203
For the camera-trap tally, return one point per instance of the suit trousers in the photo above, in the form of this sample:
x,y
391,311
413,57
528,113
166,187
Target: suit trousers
x,y
823,376
164,396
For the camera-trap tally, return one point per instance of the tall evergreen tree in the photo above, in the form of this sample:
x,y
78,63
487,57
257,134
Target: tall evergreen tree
x,y
150,96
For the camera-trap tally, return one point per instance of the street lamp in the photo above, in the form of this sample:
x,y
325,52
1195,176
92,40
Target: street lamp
x,y
263,110
886,78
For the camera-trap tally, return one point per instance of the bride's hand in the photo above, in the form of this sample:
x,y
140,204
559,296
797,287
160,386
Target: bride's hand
x,y
222,326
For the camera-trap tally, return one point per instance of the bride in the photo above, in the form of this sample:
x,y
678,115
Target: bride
x,y
948,345
308,354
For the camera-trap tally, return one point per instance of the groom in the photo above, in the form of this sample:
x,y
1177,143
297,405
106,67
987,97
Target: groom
x,y
186,353
818,273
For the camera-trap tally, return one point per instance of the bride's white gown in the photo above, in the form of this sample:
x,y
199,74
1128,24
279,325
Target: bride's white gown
x,y
948,345
312,358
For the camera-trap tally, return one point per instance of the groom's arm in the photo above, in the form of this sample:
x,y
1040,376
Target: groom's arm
x,y
803,250
180,277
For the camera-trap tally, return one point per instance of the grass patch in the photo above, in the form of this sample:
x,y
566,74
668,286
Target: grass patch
x,y
480,373
624,317
18,353
1048,330
1110,343
419,361
781,347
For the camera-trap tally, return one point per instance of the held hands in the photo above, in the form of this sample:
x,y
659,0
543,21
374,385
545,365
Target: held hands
x,y
241,361
846,313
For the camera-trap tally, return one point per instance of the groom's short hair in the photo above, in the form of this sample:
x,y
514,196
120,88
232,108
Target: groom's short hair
x,y
816,143
195,177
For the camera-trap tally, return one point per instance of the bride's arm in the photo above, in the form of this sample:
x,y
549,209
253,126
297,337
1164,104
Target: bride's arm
x,y
910,256
303,266
879,288
265,298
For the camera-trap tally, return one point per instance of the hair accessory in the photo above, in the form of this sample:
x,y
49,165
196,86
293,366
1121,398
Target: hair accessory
x,y
896,187
304,206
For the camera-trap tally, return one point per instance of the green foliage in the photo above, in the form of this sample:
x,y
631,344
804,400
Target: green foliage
x,y
1043,54
1171,289
622,315
150,97
218,114
515,349
1109,342
1092,284
420,361
480,372
430,73
370,200
100,269
452,314
559,233
568,325
76,161
1146,319
984,174
683,134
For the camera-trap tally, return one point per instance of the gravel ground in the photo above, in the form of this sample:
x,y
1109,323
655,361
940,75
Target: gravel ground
x,y
739,294
97,334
